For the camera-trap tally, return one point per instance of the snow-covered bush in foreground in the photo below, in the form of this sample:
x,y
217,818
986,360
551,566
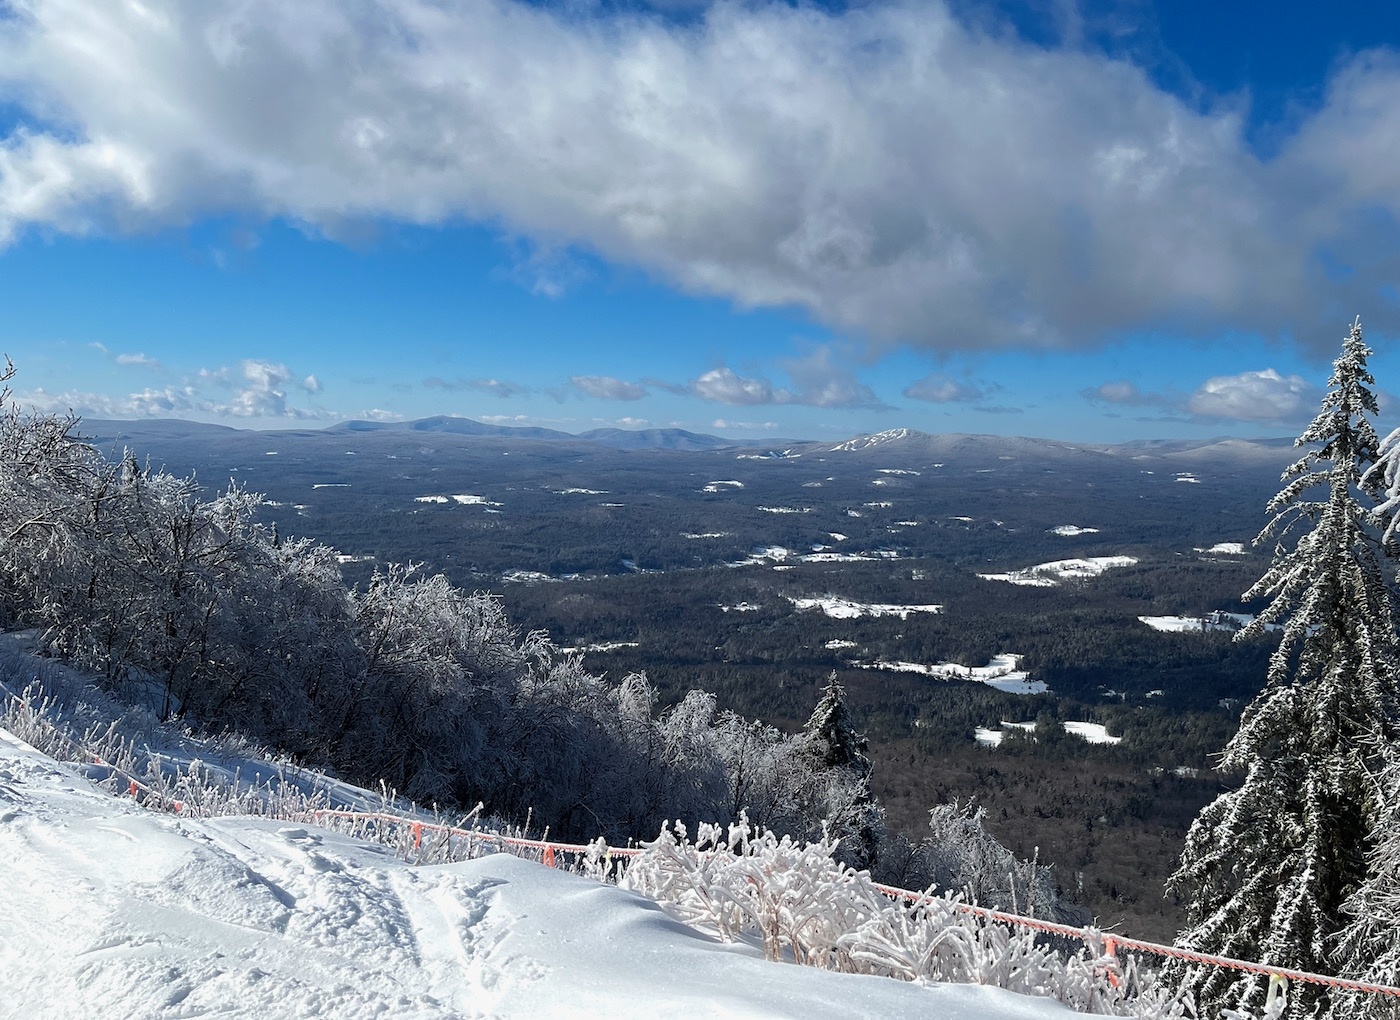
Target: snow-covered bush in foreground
x,y
808,908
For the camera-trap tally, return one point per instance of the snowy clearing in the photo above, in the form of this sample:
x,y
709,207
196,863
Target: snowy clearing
x,y
1003,672
1093,732
1215,620
704,534
762,555
526,577
602,646
116,912
721,485
845,609
1045,575
784,509
839,643
430,499
331,485
1226,549
582,492
742,607
896,471
1070,530
993,738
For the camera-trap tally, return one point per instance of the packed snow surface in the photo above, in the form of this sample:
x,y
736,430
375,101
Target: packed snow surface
x,y
845,609
112,911
1046,575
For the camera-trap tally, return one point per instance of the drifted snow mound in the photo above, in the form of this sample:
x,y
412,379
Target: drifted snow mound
x,y
117,912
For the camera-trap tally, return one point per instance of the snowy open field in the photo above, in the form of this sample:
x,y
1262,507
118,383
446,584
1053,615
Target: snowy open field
x,y
1003,672
1046,575
846,609
116,912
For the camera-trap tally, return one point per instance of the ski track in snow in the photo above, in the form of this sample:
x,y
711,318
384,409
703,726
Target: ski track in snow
x,y
116,912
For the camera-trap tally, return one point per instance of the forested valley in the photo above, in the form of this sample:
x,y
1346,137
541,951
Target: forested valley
x,y
683,566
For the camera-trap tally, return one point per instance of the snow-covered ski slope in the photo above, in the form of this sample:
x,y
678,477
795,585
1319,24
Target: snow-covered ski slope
x,y
113,911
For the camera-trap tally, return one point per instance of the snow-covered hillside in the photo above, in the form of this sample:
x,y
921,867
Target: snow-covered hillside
x,y
114,911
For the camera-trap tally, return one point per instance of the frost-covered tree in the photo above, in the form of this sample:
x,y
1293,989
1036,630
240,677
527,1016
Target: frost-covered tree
x,y
1370,945
1267,867
841,778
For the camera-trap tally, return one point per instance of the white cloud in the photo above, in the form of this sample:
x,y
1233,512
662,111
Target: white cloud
x,y
723,386
721,423
311,384
1021,196
377,414
264,395
1254,396
1117,392
817,381
259,391
820,382
141,360
939,388
502,388
605,387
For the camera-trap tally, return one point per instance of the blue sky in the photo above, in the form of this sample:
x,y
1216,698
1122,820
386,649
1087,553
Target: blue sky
x,y
1110,220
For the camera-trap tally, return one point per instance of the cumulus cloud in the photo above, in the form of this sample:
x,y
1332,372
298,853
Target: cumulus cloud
x,y
1023,196
723,386
605,387
1264,396
498,387
817,381
264,393
149,403
939,388
259,391
821,382
1254,396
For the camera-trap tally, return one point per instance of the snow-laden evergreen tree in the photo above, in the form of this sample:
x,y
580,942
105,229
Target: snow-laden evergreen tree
x,y
1268,866
841,773
1370,945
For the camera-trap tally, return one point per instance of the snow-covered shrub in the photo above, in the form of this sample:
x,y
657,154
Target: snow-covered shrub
x,y
959,855
807,907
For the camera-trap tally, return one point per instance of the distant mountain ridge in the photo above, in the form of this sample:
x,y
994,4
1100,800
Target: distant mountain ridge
x,y
103,430
897,443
